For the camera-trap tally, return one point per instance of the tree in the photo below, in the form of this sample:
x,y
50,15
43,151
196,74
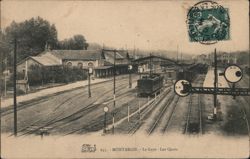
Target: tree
x,y
32,36
4,53
243,58
78,42
94,46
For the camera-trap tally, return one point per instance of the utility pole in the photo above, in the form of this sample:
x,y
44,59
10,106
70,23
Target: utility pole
x,y
5,85
177,52
150,64
113,113
114,74
232,74
90,71
129,69
89,84
181,57
140,70
5,77
105,109
215,84
14,84
134,52
139,103
128,111
130,77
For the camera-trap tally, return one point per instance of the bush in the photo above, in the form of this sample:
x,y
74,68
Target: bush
x,y
1,85
19,92
38,75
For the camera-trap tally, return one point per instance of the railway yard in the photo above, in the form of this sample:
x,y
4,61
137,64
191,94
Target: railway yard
x,y
73,112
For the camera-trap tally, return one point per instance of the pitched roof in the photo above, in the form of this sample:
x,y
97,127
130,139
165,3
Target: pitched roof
x,y
77,54
46,60
119,54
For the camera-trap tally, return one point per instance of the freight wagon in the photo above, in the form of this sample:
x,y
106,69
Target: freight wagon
x,y
190,72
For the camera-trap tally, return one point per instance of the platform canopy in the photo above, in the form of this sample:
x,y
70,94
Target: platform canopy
x,y
155,60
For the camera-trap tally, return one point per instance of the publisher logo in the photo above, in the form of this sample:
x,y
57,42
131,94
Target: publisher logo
x,y
88,148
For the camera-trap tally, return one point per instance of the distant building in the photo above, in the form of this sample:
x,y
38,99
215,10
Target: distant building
x,y
222,58
201,59
227,58
102,62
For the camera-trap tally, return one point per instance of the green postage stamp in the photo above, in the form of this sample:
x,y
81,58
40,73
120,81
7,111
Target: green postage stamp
x,y
208,22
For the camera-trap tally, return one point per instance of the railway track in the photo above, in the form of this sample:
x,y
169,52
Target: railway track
x,y
36,126
194,123
244,102
244,107
245,115
144,113
170,117
98,123
26,104
31,103
55,123
162,112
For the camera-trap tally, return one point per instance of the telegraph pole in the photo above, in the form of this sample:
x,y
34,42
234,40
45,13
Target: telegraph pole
x,y
113,114
106,109
150,64
5,85
215,84
128,111
89,84
130,78
114,74
5,77
90,71
177,53
14,84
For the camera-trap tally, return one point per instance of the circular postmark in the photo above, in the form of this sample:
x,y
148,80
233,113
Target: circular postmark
x,y
208,22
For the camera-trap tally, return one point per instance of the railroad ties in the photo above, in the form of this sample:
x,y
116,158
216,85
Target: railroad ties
x,y
194,120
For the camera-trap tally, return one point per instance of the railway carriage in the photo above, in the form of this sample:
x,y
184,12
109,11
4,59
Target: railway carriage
x,y
189,73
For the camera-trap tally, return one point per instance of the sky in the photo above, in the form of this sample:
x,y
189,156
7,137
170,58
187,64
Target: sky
x,y
147,25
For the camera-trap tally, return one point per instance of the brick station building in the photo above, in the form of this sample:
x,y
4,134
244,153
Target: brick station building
x,y
102,61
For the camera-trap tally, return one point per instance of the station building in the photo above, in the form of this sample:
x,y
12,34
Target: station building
x,y
101,61
160,65
223,58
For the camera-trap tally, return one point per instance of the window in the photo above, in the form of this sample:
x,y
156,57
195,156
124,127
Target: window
x,y
169,74
80,65
90,64
69,64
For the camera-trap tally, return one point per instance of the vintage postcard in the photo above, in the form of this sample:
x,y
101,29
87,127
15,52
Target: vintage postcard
x,y
124,79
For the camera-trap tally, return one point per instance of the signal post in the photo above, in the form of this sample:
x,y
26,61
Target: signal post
x,y
90,71
232,74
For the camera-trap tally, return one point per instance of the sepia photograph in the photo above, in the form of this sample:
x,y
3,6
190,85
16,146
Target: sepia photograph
x,y
124,79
